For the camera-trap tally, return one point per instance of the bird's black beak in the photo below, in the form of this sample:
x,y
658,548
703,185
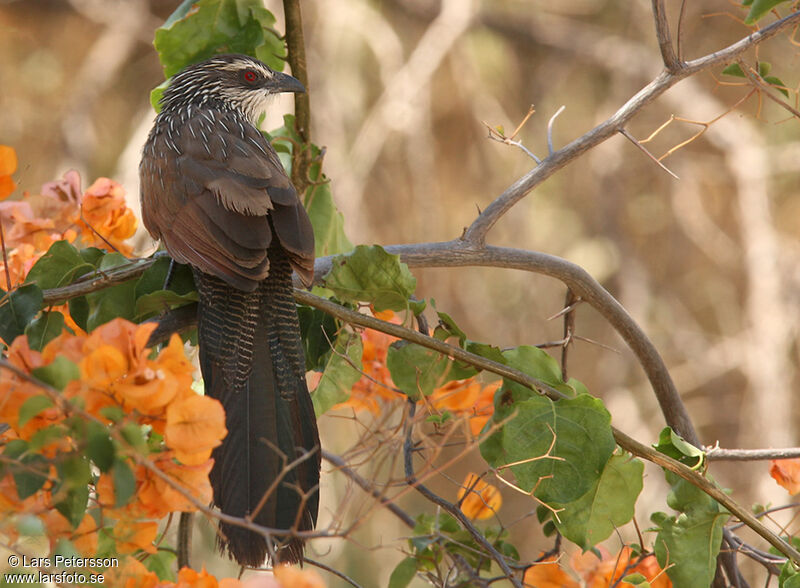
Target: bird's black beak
x,y
282,82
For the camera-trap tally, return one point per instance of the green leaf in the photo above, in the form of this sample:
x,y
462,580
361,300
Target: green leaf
x,y
133,434
637,580
58,267
676,447
535,362
33,406
31,475
114,302
527,427
58,373
47,435
734,69
73,505
690,541
46,327
418,370
162,563
317,331
199,29
99,447
160,301
609,504
339,375
92,255
370,274
780,86
124,482
79,311
152,280
17,310
760,8
789,576
403,573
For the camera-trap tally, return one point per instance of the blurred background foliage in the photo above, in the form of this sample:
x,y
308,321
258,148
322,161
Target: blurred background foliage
x,y
708,265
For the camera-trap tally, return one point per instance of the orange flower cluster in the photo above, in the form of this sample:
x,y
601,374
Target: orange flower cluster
x,y
116,370
133,574
597,573
483,500
786,473
463,398
99,217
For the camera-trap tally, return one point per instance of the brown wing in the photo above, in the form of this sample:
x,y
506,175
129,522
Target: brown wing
x,y
215,193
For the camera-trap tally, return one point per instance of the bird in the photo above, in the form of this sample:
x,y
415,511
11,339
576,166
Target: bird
x,y
214,192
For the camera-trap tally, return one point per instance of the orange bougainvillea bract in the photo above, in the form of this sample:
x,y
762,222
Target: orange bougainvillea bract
x,y
8,165
787,473
98,217
478,499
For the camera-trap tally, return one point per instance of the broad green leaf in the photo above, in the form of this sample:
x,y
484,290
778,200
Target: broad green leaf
x,y
339,375
317,332
759,9
44,328
370,274
161,301
789,576
73,504
17,310
581,429
133,434
162,563
124,482
79,311
637,580
734,69
33,406
609,504
199,29
676,447
30,525
58,373
403,573
535,362
32,471
778,83
690,541
110,303
92,255
58,267
154,277
47,435
418,370
99,447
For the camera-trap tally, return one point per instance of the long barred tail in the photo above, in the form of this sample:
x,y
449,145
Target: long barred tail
x,y
252,362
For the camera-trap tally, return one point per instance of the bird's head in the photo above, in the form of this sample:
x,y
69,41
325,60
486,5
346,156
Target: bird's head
x,y
233,81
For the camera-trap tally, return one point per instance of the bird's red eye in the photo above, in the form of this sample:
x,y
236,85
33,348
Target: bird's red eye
x,y
250,76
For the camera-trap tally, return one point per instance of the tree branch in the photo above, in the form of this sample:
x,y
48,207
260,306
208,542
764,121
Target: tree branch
x,y
476,233
301,155
671,61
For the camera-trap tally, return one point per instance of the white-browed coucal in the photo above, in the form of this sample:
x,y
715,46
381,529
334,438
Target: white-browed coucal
x,y
214,192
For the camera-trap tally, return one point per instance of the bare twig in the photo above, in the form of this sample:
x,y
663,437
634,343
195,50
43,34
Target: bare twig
x,y
365,485
719,454
632,139
448,506
671,61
